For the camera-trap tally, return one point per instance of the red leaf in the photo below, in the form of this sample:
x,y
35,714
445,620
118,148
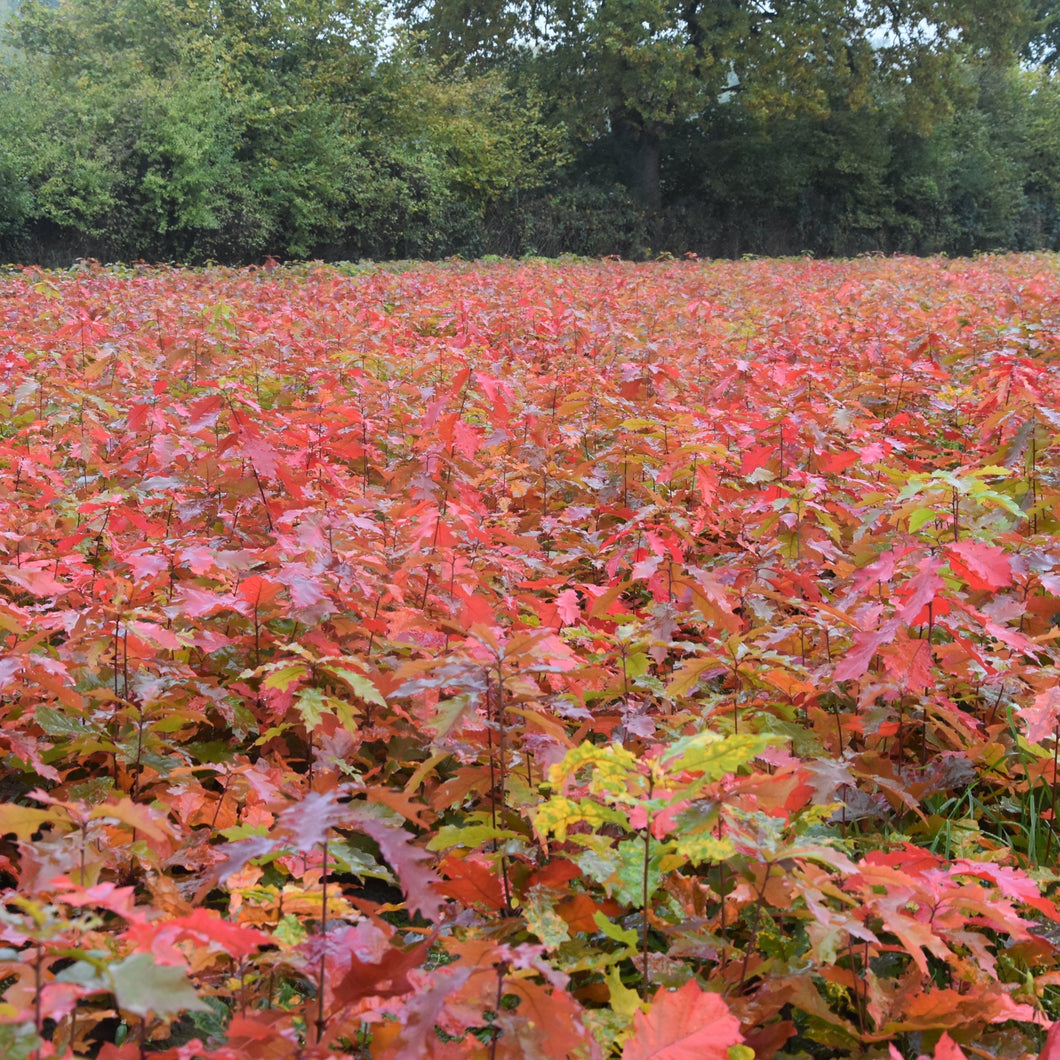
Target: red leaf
x,y
129,1051
408,861
1042,717
645,568
34,579
981,566
866,644
908,662
304,825
235,939
921,590
755,457
543,1016
686,1024
1051,1049
190,602
254,447
422,1012
203,413
467,439
567,607
259,591
833,463
947,1049
385,978
242,1029
305,588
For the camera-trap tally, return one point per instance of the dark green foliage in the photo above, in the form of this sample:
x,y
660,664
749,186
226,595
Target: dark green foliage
x,y
234,129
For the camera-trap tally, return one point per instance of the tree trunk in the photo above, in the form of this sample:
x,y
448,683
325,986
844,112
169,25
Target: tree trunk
x,y
649,186
639,154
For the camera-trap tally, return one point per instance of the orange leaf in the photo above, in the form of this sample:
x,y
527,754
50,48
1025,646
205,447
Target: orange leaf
x,y
472,883
687,1024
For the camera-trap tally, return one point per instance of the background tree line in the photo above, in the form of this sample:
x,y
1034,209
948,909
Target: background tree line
x,y
230,129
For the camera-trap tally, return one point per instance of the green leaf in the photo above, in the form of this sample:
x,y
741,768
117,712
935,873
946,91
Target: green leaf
x,y
920,518
18,1041
142,987
712,755
451,836
625,936
637,664
312,705
290,931
358,862
541,918
58,723
629,877
347,715
612,769
448,712
271,733
362,686
83,973
599,862
243,831
915,485
687,677
284,678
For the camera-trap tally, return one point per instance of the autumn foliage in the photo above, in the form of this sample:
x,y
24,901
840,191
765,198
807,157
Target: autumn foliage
x,y
532,660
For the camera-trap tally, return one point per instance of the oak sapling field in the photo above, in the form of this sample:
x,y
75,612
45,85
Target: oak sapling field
x,y
531,661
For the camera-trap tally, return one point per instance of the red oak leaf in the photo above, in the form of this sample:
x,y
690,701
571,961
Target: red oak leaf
x,y
686,1024
982,566
947,1049
472,883
865,645
1042,717
411,863
921,590
567,607
1051,1049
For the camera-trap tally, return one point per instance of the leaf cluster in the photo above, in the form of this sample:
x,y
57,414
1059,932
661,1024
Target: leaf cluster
x,y
529,660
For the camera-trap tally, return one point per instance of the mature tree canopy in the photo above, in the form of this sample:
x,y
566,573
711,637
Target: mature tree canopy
x,y
236,128
639,69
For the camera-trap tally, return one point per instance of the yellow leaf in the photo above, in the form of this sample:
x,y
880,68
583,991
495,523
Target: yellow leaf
x,y
684,682
699,849
557,815
23,821
623,1000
